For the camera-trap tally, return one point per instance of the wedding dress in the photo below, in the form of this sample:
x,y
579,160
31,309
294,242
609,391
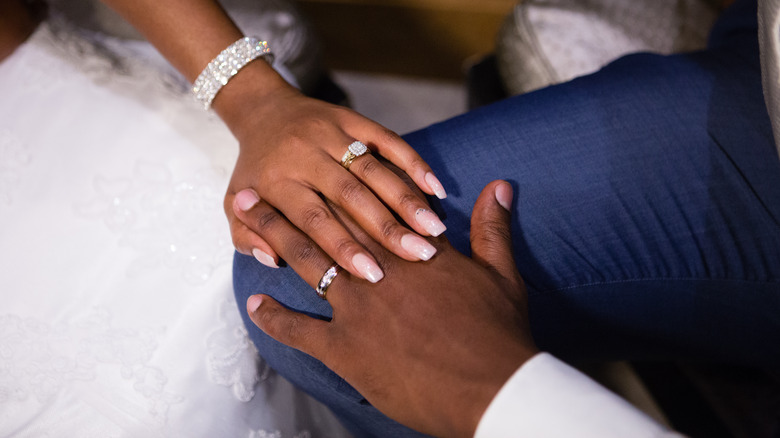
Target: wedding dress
x,y
117,315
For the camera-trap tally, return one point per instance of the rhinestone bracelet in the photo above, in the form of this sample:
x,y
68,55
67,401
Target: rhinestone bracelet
x,y
226,65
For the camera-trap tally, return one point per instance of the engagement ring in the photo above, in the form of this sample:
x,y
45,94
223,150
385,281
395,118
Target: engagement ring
x,y
356,149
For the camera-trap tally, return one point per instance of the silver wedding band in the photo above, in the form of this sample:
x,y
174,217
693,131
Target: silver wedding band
x,y
326,280
354,150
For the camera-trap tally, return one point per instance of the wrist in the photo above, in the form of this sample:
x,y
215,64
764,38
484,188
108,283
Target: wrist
x,y
247,95
466,419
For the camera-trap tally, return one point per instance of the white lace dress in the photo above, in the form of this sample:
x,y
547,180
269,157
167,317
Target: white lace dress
x,y
117,316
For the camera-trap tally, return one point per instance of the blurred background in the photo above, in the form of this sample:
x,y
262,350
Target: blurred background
x,y
404,62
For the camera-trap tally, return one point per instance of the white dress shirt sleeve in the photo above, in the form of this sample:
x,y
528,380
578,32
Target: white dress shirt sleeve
x,y
548,398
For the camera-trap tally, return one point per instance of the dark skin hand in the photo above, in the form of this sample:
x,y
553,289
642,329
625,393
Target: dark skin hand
x,y
291,146
431,344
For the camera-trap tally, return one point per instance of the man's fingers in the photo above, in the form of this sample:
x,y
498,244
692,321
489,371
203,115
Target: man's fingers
x,y
291,328
491,239
300,252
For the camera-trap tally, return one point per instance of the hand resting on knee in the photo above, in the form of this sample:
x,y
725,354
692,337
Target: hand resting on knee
x,y
431,344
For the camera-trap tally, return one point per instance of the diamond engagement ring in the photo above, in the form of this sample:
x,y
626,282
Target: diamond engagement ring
x,y
356,149
326,280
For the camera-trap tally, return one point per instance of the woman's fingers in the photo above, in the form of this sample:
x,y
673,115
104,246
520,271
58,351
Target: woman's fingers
x,y
370,194
245,240
392,147
297,249
362,205
398,196
307,211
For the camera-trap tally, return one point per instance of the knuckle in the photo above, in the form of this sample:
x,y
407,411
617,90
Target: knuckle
x,y
315,216
273,175
417,162
342,111
389,136
390,229
267,219
267,320
304,251
292,331
295,138
345,247
409,201
493,231
322,169
343,114
367,166
301,133
350,190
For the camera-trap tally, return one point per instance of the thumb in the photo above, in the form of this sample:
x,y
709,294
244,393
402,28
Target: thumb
x,y
491,238
289,327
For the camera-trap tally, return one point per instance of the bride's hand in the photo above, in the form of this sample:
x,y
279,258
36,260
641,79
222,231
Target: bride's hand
x,y
291,147
290,152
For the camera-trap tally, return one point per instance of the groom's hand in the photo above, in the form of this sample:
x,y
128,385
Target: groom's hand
x,y
432,343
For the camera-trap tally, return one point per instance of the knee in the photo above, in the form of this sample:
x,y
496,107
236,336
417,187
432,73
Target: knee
x,y
283,284
249,278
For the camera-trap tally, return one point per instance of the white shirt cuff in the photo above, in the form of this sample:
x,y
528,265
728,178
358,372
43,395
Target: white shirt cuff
x,y
547,398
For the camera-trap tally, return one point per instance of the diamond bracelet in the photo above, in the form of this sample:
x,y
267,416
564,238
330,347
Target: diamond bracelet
x,y
226,65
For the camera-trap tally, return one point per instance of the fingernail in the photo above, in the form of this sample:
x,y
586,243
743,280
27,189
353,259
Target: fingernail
x,y
246,199
430,222
367,268
253,302
435,185
504,195
418,246
264,258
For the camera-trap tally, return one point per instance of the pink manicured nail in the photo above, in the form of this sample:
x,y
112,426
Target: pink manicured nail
x,y
246,199
430,222
253,302
264,258
367,268
504,195
435,185
417,246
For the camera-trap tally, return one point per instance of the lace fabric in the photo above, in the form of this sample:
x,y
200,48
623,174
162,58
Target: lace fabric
x,y
118,317
14,157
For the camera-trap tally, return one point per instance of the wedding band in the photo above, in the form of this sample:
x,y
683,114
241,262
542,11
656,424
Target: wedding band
x,y
326,280
356,149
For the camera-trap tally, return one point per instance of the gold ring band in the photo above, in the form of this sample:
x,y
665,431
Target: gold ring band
x,y
354,150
